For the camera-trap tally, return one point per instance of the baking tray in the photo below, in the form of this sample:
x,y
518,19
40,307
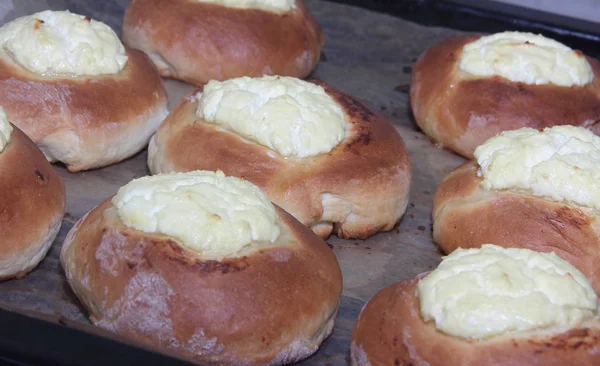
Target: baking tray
x,y
366,54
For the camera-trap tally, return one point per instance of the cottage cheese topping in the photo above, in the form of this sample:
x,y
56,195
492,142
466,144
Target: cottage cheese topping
x,y
561,163
291,116
60,42
527,58
5,130
207,212
277,6
481,293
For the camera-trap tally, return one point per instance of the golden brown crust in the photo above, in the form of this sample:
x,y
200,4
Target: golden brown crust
x,y
390,331
86,122
197,42
462,112
271,306
359,188
467,216
32,204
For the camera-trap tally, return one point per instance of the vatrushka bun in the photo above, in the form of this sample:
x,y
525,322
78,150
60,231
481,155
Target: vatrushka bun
x,y
69,83
206,266
322,155
527,188
469,88
488,306
201,40
32,202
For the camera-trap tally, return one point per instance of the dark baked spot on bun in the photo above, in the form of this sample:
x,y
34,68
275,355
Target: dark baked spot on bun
x,y
571,216
174,252
37,23
357,114
572,339
580,332
40,176
495,89
354,108
577,344
362,139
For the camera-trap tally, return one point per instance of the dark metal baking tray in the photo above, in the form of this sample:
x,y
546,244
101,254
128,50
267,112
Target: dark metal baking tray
x,y
368,54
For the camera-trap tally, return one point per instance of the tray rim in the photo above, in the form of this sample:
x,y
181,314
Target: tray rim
x,y
35,338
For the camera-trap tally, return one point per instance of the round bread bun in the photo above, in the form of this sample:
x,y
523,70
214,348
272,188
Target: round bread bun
x,y
466,215
460,111
270,306
85,121
199,41
32,206
358,188
391,331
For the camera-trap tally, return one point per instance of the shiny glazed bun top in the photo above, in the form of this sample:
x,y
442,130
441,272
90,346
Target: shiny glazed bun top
x,y
526,58
561,163
275,6
206,212
482,293
63,43
291,116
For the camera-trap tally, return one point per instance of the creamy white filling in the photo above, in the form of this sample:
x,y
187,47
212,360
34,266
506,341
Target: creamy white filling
x,y
291,116
561,163
207,212
60,42
482,293
526,58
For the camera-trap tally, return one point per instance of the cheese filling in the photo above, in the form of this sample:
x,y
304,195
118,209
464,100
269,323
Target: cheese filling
x,y
5,130
526,58
208,213
276,6
482,293
561,163
293,117
60,42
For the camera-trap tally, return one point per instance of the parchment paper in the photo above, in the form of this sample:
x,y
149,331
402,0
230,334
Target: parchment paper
x,y
368,55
